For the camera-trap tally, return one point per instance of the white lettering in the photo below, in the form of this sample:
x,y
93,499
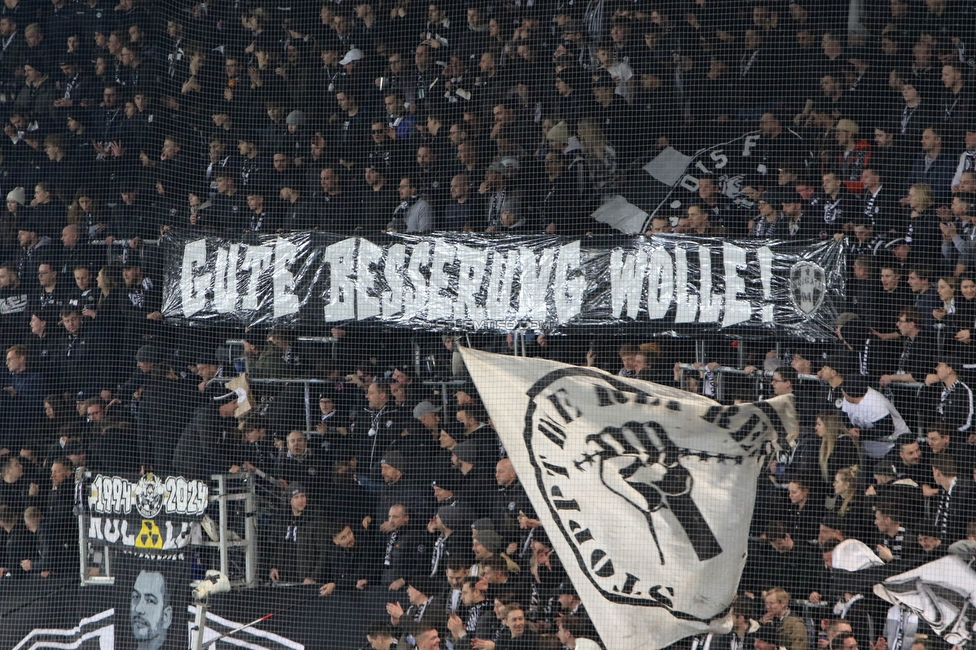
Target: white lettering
x,y
471,276
225,279
690,183
748,144
536,280
766,277
194,281
499,300
440,306
660,283
685,297
341,304
113,530
367,295
95,528
626,281
285,299
568,293
392,297
257,260
127,539
415,286
711,303
179,539
736,310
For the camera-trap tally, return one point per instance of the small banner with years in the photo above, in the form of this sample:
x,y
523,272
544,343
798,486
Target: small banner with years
x,y
153,515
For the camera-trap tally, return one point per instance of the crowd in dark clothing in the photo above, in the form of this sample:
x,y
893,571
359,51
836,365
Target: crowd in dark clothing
x,y
376,117
127,123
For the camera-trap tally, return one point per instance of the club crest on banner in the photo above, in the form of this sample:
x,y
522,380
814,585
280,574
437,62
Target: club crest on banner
x,y
149,495
808,286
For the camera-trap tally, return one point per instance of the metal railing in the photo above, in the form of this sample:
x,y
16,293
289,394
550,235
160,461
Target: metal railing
x,y
902,394
720,374
243,491
444,388
306,390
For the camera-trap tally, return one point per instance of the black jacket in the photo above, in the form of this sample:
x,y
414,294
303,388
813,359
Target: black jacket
x,y
298,543
114,452
372,431
81,362
402,554
162,414
346,566
205,445
25,545
953,405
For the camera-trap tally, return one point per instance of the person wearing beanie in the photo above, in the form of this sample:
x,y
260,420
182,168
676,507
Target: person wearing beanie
x,y
147,357
452,523
444,486
17,195
298,540
399,486
476,485
10,221
930,541
296,118
487,543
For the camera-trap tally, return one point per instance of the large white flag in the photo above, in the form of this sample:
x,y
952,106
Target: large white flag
x,y
941,592
646,491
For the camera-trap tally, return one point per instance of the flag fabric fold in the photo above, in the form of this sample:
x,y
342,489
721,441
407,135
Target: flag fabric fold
x,y
941,592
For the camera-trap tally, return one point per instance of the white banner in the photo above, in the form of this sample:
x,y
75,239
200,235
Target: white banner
x,y
646,491
940,592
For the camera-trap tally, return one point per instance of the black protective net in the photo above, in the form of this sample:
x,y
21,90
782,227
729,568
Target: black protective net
x,y
470,324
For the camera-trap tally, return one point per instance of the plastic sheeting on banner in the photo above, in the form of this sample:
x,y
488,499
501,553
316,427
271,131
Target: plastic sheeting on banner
x,y
444,281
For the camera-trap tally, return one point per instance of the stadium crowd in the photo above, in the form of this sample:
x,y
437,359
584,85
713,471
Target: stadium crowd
x,y
127,122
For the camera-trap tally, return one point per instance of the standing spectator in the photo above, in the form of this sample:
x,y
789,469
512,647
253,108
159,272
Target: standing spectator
x,y
880,204
298,542
23,392
352,126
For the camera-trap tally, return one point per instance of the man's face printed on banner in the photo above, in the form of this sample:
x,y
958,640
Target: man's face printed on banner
x,y
150,613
